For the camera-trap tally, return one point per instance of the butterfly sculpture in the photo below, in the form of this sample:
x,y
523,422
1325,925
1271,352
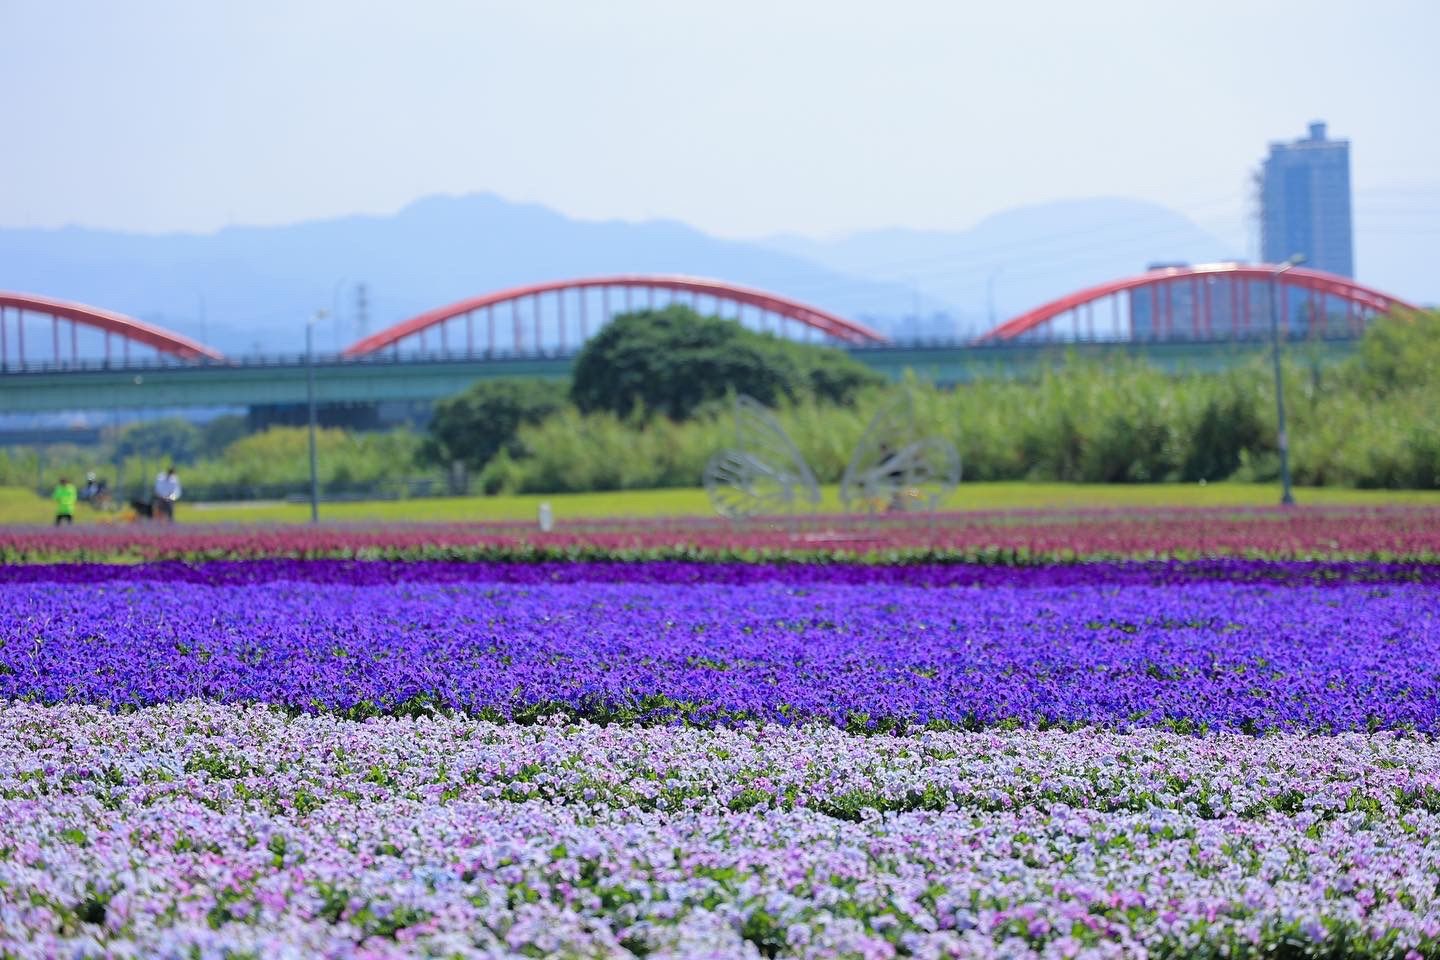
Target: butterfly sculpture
x,y
764,474
892,469
895,469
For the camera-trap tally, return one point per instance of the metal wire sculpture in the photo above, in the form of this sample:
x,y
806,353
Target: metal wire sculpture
x,y
894,469
764,474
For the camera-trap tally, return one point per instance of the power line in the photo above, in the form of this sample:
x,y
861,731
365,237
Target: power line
x,y
1045,240
975,266
980,260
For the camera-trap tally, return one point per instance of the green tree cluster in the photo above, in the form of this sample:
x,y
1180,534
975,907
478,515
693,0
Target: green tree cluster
x,y
1381,411
673,361
647,367
277,461
264,465
474,426
167,438
178,440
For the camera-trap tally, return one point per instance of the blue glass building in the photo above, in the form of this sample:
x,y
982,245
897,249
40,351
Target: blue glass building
x,y
1305,203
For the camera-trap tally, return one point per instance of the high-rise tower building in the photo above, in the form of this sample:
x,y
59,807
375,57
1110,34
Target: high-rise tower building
x,y
1305,203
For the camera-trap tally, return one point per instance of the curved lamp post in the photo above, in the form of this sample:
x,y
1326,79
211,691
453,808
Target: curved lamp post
x,y
1287,498
310,402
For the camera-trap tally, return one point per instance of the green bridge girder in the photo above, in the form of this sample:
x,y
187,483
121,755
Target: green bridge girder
x,y
282,382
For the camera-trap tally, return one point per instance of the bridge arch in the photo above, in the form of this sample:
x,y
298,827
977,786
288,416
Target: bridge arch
x,y
1203,302
16,307
531,327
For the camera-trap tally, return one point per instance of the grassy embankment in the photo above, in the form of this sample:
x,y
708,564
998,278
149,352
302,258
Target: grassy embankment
x,y
20,506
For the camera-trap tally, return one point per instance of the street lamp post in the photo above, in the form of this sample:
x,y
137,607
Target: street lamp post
x,y
1287,498
310,401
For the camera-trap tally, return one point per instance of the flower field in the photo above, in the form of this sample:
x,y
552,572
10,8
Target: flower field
x,y
1010,537
1113,647
273,756
198,829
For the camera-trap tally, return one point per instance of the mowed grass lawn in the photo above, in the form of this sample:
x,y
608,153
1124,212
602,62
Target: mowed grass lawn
x,y
20,506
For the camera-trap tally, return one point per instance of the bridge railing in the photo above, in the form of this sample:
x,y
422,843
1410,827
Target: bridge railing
x,y
296,361
86,365
274,360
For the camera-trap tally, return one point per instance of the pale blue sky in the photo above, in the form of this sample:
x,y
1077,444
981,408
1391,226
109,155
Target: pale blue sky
x,y
742,117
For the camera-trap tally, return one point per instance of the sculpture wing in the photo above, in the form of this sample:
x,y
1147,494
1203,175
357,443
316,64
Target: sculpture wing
x,y
893,468
866,481
740,486
760,435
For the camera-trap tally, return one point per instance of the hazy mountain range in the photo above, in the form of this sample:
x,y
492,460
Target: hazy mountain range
x,y
245,289
258,285
1018,258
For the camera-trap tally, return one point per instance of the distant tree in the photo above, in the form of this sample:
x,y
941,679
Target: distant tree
x,y
1229,430
672,361
474,426
277,459
219,433
1397,353
170,438
831,375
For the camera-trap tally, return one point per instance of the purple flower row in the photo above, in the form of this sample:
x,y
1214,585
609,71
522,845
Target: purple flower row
x,y
382,572
1122,652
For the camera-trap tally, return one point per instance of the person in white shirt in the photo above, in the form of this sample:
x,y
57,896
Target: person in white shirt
x,y
167,491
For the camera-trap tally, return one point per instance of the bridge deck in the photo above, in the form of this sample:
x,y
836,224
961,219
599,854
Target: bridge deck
x,y
281,381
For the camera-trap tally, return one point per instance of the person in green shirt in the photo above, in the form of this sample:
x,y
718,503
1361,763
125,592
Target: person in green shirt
x,y
65,497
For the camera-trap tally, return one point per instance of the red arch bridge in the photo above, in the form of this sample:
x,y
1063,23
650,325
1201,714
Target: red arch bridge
x,y
1196,318
61,333
1215,301
561,314
1206,302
